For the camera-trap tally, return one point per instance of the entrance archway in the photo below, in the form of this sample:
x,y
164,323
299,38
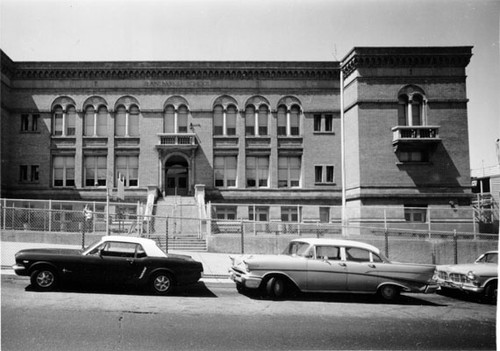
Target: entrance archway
x,y
176,176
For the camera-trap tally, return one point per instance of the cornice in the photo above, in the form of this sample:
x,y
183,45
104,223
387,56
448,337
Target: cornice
x,y
278,71
410,57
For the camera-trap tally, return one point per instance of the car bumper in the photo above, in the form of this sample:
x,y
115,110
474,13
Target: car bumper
x,y
20,269
461,286
247,280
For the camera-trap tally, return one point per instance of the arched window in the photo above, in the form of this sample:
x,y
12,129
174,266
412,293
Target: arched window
x,y
169,120
218,120
120,121
71,121
231,120
411,106
182,121
282,120
402,110
250,120
295,120
175,120
417,105
263,117
133,123
89,121
102,121
58,121
288,115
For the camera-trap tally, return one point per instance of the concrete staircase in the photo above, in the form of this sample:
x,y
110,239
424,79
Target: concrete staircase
x,y
184,226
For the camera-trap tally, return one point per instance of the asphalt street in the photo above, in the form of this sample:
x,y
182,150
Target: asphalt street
x,y
213,316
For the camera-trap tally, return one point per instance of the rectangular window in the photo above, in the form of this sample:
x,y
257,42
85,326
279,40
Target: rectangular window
x,y
257,171
23,173
128,168
416,213
290,214
225,171
328,123
262,122
34,173
95,170
324,214
63,169
413,156
324,174
289,169
317,123
323,123
225,212
261,213
24,122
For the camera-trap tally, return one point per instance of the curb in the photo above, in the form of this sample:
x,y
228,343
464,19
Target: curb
x,y
209,278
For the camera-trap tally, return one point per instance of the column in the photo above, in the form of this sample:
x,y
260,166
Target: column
x,y
64,122
224,123
288,126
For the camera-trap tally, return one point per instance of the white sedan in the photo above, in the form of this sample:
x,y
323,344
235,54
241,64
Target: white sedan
x,y
330,265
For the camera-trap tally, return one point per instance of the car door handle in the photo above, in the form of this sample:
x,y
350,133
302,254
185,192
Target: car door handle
x,y
131,261
372,266
342,264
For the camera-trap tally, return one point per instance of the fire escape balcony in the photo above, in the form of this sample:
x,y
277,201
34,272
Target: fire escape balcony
x,y
176,141
415,136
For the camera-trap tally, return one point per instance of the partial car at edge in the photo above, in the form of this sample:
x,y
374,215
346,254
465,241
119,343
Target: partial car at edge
x,y
113,260
330,265
480,277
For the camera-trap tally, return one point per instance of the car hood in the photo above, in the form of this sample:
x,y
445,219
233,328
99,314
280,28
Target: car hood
x,y
58,252
477,268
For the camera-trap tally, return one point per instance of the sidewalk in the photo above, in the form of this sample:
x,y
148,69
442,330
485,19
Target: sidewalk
x,y
215,265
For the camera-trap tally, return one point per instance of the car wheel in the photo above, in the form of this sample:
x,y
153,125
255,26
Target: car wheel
x,y
389,292
44,279
490,293
162,283
276,288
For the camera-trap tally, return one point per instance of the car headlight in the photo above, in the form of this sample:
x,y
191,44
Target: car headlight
x,y
471,276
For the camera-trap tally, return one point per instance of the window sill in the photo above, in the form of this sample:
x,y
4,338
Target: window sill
x,y
29,132
322,184
319,132
399,163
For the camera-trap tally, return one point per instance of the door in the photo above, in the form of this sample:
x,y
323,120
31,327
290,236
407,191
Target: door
x,y
121,264
176,177
325,270
362,271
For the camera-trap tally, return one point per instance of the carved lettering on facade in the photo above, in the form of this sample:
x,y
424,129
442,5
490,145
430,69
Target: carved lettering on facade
x,y
176,83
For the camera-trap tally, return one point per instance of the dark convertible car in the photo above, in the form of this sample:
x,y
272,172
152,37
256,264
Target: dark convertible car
x,y
116,260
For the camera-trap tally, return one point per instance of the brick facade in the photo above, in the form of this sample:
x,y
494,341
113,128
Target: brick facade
x,y
373,78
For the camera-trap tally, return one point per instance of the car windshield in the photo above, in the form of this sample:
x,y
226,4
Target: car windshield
x,y
297,248
86,250
491,257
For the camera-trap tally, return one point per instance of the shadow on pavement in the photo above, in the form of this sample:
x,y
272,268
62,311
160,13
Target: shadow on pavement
x,y
403,299
194,290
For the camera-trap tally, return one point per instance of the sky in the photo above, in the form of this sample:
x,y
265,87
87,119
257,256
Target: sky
x,y
264,30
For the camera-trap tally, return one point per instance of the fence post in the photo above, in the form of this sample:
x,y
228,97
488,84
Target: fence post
x,y
455,245
84,223
4,213
386,235
166,234
429,222
242,238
